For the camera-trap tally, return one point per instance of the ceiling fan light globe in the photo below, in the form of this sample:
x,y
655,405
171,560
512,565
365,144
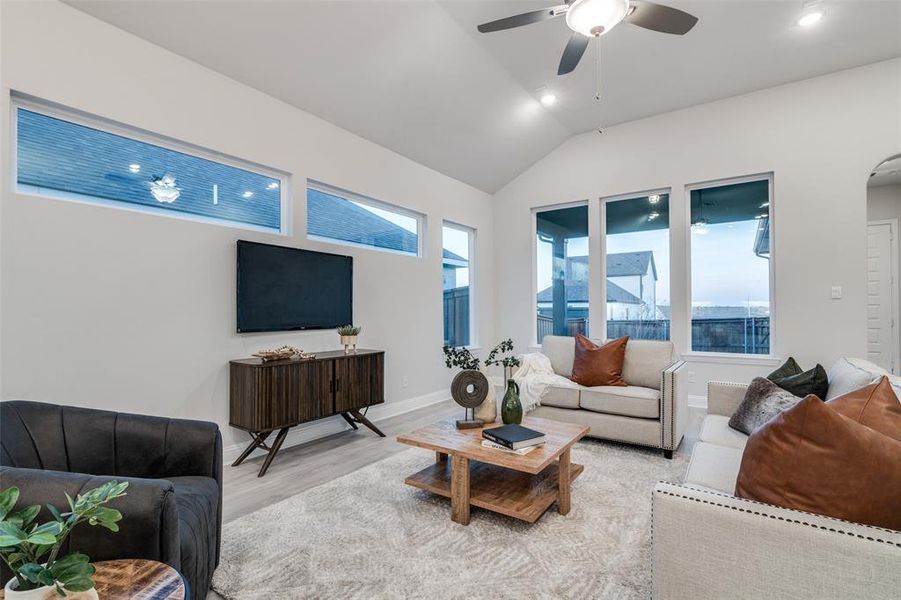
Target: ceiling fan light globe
x,y
593,18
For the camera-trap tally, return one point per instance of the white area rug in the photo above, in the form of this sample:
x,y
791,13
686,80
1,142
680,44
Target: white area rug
x,y
369,536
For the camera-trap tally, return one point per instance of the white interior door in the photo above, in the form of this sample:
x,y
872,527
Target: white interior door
x,y
882,337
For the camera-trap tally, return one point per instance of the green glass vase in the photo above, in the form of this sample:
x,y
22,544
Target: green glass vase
x,y
511,407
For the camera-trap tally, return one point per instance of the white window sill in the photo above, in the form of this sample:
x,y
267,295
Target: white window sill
x,y
732,359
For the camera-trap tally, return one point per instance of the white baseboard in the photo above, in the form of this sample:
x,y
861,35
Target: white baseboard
x,y
336,424
697,401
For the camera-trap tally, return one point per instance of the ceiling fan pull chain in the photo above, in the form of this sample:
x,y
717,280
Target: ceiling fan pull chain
x,y
597,93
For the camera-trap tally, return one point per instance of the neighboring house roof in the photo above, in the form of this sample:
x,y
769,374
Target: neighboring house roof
x,y
336,218
624,264
578,292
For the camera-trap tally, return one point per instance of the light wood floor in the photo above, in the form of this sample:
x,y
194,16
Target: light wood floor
x,y
305,466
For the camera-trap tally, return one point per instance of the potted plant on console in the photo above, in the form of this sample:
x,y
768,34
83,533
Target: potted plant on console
x,y
349,335
31,550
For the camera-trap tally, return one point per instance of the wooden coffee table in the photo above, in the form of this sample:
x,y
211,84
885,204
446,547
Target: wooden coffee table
x,y
517,486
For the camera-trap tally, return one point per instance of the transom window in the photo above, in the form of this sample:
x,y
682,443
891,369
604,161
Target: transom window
x,y
343,217
70,156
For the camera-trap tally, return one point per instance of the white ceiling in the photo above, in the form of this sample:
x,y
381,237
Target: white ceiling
x,y
416,76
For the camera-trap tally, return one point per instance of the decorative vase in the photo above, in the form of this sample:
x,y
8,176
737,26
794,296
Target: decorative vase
x,y
511,407
350,343
46,592
487,410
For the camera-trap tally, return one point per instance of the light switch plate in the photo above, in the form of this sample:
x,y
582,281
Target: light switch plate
x,y
836,292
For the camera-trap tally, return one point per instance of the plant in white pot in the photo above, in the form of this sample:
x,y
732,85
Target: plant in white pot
x,y
31,550
349,335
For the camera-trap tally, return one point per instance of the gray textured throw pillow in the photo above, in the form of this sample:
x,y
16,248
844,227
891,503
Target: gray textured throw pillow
x,y
763,401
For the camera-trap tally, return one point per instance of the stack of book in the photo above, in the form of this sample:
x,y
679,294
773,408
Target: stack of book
x,y
512,438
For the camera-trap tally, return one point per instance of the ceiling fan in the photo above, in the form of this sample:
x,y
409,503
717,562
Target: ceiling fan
x,y
593,18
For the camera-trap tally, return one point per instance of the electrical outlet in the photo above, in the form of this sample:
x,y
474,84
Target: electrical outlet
x,y
691,377
405,381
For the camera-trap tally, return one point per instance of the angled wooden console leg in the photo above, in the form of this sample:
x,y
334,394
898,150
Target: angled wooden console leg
x,y
259,441
276,445
460,490
350,420
564,478
364,421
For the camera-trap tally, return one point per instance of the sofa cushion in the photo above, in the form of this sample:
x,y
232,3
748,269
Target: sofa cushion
x,y
849,374
561,397
815,381
630,401
876,406
788,368
814,459
560,349
599,365
715,430
714,467
763,401
645,362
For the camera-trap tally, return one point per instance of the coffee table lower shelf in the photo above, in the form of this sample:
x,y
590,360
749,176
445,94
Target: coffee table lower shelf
x,y
513,493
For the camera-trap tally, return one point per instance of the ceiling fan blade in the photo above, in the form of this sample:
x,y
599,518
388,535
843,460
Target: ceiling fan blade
x,y
528,18
573,52
657,17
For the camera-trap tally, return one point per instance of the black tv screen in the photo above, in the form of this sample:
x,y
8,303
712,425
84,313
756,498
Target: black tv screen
x,y
282,289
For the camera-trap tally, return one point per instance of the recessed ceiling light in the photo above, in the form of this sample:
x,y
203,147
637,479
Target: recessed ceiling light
x,y
134,168
653,215
810,18
548,99
654,198
247,194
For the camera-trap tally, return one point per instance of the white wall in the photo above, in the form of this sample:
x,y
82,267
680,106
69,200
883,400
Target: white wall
x,y
820,137
127,311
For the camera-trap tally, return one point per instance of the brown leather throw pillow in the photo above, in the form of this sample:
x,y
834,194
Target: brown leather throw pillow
x,y
599,365
814,459
875,406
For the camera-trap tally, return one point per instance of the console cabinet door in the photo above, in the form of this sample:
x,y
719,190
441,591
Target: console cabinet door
x,y
359,381
289,394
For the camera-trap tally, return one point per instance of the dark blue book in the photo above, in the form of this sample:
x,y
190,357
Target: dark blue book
x,y
513,436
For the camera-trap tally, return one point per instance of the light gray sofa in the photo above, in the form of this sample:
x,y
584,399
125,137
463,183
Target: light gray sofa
x,y
707,543
652,410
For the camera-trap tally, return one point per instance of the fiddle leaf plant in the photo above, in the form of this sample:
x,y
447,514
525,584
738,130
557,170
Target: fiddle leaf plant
x,y
24,543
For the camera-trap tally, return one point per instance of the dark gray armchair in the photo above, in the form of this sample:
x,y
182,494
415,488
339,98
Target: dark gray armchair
x,y
173,510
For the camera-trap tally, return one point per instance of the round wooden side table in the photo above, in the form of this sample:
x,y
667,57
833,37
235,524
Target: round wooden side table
x,y
136,579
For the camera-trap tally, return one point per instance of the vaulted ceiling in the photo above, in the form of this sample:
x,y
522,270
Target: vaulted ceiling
x,y
416,76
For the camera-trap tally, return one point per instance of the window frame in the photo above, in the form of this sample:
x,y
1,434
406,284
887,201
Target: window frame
x,y
350,196
604,200
688,353
473,279
78,117
533,303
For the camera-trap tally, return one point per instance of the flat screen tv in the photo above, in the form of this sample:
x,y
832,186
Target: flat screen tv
x,y
284,289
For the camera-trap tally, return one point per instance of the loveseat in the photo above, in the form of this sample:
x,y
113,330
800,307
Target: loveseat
x,y
707,543
652,410
172,510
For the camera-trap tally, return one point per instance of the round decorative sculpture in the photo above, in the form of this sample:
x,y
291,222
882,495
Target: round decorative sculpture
x,y
469,388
